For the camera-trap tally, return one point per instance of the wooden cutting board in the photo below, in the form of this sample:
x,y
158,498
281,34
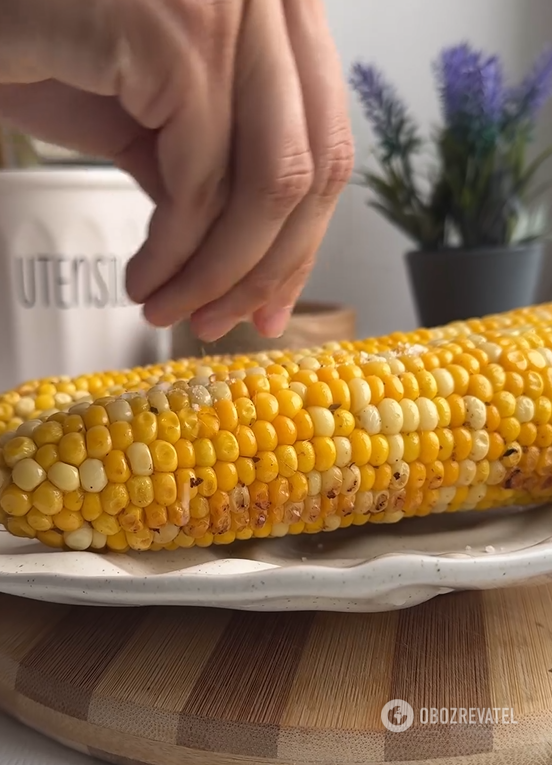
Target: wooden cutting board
x,y
170,686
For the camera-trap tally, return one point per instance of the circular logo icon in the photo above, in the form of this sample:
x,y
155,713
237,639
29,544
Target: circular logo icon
x,y
397,715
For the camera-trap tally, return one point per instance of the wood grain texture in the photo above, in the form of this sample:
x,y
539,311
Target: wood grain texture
x,y
171,686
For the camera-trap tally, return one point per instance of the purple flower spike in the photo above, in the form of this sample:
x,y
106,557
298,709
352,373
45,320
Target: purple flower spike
x,y
377,96
386,113
527,99
471,87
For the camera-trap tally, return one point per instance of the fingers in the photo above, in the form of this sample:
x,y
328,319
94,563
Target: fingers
x,y
91,124
269,292
194,143
272,170
170,65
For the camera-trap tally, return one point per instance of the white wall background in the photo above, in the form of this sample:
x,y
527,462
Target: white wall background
x,y
360,261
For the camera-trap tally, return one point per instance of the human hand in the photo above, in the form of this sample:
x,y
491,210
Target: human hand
x,y
231,114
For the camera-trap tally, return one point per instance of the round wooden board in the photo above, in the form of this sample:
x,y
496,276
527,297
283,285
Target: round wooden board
x,y
171,686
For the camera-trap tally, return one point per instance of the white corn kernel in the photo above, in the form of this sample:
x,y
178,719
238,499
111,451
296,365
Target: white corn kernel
x,y
201,382
396,366
332,523
369,418
399,478
24,407
361,394
255,371
140,459
81,407
467,472
445,496
429,416
351,480
364,502
444,381
166,534
396,448
497,473
93,476
332,481
64,477
300,389
492,350
204,371
314,483
280,530
220,391
476,494
158,400
322,420
480,445
239,499
119,411
391,416
99,541
79,540
27,474
312,508
381,501
344,451
411,415
525,409
476,412
25,429
200,396
309,362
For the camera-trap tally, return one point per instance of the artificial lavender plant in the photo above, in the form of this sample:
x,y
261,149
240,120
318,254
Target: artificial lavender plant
x,y
482,191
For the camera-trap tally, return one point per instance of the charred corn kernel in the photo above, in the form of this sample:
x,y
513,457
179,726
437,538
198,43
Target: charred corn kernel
x,y
132,519
207,481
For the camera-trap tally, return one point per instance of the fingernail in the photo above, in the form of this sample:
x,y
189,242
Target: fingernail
x,y
274,325
211,328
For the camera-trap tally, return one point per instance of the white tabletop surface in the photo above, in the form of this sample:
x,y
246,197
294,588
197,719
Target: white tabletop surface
x,y
21,746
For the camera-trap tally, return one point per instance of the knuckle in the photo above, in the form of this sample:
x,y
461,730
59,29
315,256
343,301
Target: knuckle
x,y
290,183
261,287
334,166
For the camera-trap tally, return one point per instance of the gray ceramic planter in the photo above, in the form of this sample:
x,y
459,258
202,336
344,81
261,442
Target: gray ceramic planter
x,y
453,285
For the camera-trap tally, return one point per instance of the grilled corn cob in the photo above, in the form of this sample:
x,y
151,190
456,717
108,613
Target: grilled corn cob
x,y
213,450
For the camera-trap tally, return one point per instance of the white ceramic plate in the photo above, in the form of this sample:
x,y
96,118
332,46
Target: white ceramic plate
x,y
375,568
